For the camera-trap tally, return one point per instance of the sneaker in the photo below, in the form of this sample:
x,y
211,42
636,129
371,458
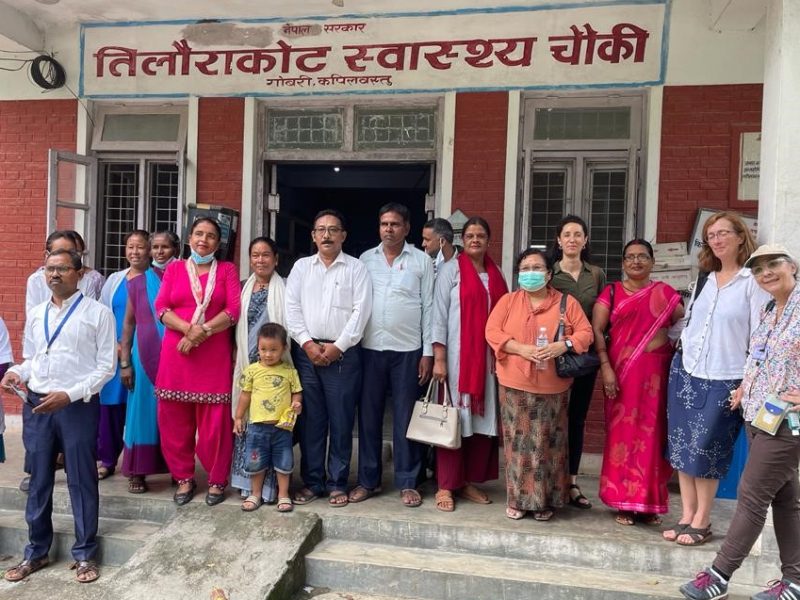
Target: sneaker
x,y
705,586
779,590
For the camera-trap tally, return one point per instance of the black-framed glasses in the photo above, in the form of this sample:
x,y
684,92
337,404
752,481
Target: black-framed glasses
x,y
328,230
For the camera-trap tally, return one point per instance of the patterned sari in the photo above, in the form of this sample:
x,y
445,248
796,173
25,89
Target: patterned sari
x,y
142,454
635,471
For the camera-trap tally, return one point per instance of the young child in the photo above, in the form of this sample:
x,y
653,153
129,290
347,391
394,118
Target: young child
x,y
269,387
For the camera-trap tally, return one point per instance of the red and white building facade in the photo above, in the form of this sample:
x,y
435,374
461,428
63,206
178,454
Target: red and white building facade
x,y
634,114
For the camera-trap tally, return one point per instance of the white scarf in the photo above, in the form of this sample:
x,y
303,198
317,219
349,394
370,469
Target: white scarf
x,y
275,304
201,300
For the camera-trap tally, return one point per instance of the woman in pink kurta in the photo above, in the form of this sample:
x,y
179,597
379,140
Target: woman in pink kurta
x,y
193,385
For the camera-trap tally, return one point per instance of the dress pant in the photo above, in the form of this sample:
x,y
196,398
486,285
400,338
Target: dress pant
x,y
330,395
398,371
580,397
770,477
72,430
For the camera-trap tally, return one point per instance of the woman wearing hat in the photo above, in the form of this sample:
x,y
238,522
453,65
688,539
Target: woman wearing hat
x,y
770,476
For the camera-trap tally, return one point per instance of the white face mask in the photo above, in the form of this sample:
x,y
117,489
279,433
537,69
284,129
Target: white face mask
x,y
437,262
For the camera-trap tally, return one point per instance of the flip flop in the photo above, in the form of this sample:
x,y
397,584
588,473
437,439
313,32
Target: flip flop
x,y
473,494
624,517
304,496
285,505
411,498
335,499
515,514
253,502
543,515
444,501
650,519
361,493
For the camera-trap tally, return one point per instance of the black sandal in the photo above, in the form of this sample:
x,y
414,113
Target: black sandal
x,y
579,501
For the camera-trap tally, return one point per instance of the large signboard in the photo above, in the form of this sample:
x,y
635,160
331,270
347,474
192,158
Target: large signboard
x,y
616,44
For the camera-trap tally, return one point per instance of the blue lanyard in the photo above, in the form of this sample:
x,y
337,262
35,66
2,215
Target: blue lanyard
x,y
47,337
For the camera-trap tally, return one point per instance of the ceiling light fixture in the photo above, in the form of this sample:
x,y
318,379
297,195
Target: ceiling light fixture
x,y
336,169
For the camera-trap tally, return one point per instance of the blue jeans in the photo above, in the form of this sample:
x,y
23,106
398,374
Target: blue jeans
x,y
268,447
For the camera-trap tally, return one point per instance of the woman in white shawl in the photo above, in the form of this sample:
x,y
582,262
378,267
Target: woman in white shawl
x,y
262,302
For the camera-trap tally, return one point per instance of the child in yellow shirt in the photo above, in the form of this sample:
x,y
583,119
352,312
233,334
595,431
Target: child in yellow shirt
x,y
269,387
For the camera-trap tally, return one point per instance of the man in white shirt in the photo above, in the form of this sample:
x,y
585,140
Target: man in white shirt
x,y
437,241
328,303
69,352
396,354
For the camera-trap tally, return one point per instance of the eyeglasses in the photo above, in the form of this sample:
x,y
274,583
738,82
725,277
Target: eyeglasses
x,y
642,258
329,230
771,266
719,235
536,269
61,270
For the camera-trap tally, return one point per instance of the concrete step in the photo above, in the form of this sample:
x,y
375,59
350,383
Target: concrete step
x,y
581,539
55,581
118,538
441,575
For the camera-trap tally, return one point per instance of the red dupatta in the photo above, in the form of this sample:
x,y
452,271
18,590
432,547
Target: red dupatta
x,y
474,313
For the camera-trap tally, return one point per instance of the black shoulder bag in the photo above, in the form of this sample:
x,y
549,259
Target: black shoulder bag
x,y
700,282
570,365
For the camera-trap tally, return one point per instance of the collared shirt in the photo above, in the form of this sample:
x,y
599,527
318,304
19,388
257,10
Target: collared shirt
x,y
719,326
402,301
6,356
328,303
773,365
81,359
36,291
585,290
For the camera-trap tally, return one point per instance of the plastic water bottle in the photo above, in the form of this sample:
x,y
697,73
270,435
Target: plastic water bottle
x,y
541,341
793,420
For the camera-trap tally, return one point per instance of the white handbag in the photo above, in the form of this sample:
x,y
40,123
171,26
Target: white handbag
x,y
433,423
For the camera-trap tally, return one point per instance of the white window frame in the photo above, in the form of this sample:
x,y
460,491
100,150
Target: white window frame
x,y
104,110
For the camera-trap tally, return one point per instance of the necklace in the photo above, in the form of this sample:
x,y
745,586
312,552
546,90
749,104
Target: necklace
x,y
258,286
634,290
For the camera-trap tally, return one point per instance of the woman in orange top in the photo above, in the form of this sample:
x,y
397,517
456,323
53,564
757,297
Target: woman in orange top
x,y
533,398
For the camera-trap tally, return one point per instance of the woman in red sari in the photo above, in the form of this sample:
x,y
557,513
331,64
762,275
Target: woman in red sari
x,y
635,367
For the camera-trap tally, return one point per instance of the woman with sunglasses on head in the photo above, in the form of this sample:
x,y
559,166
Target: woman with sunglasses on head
x,y
574,275
634,364
770,477
701,427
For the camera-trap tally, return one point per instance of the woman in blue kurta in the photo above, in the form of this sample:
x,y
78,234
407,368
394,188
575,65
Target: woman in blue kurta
x,y
114,395
140,350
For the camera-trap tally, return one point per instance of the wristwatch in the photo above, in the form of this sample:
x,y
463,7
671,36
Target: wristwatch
x,y
568,344
207,329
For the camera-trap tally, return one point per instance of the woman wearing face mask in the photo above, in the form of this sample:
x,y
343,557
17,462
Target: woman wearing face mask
x,y
114,395
140,348
573,275
635,367
197,303
533,398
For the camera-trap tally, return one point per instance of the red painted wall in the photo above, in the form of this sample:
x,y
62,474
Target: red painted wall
x,y
479,160
700,130
28,129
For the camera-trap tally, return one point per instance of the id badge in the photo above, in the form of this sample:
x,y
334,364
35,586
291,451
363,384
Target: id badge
x,y
760,353
771,414
42,366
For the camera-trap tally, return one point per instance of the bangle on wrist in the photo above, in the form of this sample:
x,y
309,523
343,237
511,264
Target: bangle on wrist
x,y
207,329
124,365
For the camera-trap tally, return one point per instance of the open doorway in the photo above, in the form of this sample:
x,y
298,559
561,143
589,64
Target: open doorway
x,y
357,191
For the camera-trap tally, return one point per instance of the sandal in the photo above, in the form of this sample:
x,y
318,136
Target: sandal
x,y
251,503
624,517
579,501
473,494
285,505
543,515
675,531
86,571
513,513
361,493
411,498
304,496
137,485
24,568
104,473
444,501
697,536
337,499
651,519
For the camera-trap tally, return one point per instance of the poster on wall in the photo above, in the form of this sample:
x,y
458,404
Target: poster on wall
x,y
617,43
696,241
749,165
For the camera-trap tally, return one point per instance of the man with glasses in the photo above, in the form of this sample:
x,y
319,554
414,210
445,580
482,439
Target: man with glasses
x,y
69,352
397,354
328,304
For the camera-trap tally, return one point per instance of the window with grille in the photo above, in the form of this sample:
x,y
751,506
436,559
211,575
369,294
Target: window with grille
x,y
395,128
609,190
548,195
140,194
320,129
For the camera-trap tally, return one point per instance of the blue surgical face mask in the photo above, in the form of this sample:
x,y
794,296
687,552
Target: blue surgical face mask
x,y
160,265
532,281
201,260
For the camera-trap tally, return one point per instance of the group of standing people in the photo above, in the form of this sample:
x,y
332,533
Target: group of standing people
x,y
158,385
